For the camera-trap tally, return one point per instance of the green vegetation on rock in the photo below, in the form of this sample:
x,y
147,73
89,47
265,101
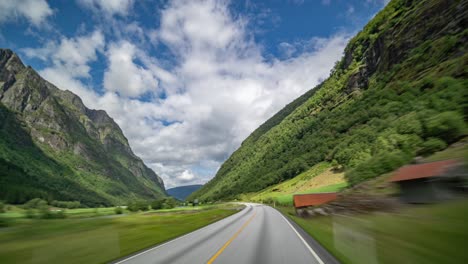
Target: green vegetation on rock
x,y
399,91
53,147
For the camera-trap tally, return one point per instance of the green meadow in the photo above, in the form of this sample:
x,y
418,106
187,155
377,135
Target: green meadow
x,y
100,239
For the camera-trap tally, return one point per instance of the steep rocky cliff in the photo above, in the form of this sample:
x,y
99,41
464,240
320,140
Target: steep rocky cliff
x,y
400,90
53,146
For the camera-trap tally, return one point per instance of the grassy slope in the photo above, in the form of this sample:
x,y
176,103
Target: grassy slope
x,y
54,241
420,61
319,178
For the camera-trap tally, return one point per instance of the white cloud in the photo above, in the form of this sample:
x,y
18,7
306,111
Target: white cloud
x,y
71,55
35,11
220,89
124,75
108,7
225,87
186,176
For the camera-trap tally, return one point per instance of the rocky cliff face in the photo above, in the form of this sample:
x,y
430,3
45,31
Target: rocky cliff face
x,y
85,142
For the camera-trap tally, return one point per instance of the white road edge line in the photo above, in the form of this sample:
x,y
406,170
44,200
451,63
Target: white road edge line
x,y
302,239
168,242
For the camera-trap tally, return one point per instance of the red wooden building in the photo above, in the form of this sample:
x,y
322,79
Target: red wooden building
x,y
429,182
312,199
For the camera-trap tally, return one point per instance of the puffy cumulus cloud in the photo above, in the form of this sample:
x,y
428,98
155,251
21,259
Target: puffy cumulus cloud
x,y
199,25
70,55
108,7
220,88
186,176
124,75
35,11
223,87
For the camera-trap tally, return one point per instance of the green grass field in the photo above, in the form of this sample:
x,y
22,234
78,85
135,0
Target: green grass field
x,y
417,234
99,240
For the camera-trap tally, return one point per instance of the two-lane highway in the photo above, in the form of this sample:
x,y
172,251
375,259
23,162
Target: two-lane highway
x,y
258,234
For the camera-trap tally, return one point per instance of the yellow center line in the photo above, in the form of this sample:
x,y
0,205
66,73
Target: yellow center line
x,y
213,258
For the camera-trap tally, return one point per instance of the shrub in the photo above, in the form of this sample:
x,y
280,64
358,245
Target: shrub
x,y
136,206
133,207
169,203
118,210
268,200
432,145
447,126
157,204
45,213
409,124
35,203
379,164
30,213
2,207
164,203
4,221
66,204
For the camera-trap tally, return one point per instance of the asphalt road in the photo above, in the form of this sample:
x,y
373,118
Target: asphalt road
x,y
258,234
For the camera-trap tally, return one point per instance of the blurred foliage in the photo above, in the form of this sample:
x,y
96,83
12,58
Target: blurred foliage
x,y
164,203
136,206
66,204
118,210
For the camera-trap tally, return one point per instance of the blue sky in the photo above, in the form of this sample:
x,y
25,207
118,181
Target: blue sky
x,y
187,81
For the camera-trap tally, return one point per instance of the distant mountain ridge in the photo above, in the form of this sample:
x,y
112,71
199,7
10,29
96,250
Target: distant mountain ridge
x,y
52,146
182,192
399,91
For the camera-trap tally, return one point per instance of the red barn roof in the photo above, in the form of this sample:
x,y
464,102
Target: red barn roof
x,y
425,170
303,200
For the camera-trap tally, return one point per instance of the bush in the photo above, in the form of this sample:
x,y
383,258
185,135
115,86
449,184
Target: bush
x,y
45,213
157,204
379,164
164,203
409,124
170,203
4,221
30,213
2,207
35,203
136,206
66,204
432,145
448,126
118,210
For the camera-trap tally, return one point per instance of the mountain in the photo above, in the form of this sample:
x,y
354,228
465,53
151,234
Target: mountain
x,y
182,192
400,90
53,147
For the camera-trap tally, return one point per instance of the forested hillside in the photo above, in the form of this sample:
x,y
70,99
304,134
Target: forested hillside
x,y
53,147
399,91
